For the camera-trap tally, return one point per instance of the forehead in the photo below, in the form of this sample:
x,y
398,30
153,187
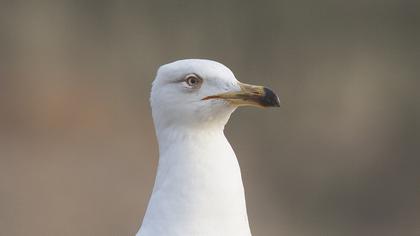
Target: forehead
x,y
203,68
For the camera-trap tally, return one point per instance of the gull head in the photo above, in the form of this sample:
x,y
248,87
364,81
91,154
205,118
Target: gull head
x,y
197,93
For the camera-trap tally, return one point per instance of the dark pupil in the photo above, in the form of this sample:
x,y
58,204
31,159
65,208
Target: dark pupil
x,y
193,81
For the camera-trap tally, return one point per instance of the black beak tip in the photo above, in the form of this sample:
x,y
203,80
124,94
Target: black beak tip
x,y
270,99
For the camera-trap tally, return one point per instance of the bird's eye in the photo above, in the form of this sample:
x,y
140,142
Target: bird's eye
x,y
193,81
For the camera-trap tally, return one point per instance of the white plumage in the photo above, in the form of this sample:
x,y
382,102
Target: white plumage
x,y
198,189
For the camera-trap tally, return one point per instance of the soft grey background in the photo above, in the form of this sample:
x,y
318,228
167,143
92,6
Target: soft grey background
x,y
340,157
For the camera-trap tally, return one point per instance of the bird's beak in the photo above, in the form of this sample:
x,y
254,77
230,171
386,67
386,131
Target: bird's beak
x,y
249,95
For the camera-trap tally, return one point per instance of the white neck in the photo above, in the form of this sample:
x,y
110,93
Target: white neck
x,y
198,189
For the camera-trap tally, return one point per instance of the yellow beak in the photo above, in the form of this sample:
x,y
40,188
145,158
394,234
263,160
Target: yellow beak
x,y
249,95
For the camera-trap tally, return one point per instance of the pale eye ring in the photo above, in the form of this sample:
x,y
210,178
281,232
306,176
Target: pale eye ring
x,y
193,81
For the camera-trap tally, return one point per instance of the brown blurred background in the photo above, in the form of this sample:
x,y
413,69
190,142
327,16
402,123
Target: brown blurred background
x,y
341,157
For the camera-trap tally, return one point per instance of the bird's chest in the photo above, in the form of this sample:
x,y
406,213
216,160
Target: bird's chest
x,y
199,194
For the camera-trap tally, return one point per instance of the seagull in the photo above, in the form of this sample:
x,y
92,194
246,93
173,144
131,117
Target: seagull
x,y
198,189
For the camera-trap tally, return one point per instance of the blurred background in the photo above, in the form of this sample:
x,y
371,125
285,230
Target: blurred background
x,y
340,157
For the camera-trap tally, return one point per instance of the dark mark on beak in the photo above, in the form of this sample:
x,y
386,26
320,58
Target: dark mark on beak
x,y
270,99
